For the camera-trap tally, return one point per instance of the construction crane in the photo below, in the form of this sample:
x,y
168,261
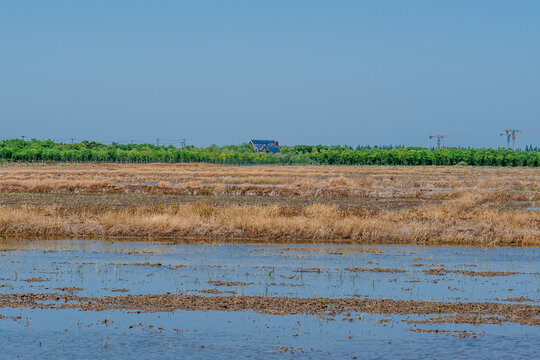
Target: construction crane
x,y
511,134
439,137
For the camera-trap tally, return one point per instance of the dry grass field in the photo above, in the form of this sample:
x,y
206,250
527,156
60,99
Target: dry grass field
x,y
201,202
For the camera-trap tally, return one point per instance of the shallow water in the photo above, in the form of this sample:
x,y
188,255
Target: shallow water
x,y
99,268
226,335
530,205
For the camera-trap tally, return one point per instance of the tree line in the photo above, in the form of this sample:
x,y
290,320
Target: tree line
x,y
18,150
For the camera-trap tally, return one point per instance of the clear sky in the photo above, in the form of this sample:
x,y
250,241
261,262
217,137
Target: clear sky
x,y
304,72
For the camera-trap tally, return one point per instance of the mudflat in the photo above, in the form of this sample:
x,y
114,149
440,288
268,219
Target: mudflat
x,y
447,312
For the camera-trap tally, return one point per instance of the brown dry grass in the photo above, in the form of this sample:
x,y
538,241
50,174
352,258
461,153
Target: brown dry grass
x,y
462,221
206,179
465,205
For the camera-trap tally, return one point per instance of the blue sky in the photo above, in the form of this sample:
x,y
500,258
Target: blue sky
x,y
304,72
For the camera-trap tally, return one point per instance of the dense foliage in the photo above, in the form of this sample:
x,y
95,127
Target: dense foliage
x,y
90,151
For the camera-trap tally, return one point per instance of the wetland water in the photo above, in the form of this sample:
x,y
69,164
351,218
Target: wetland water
x,y
75,321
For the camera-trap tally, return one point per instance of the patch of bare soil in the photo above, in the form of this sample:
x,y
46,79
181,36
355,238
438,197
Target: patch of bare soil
x,y
34,279
329,251
228,283
473,319
309,270
447,312
377,270
461,334
442,272
14,318
209,291
69,290
283,284
143,264
519,299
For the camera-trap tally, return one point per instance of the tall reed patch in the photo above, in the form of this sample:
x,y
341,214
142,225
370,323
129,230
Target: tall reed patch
x,y
456,223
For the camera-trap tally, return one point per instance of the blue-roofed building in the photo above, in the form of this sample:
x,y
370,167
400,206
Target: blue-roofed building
x,y
269,146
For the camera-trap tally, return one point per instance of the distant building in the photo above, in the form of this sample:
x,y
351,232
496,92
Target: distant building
x,y
269,146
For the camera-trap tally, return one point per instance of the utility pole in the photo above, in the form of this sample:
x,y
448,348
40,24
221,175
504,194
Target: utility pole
x,y
72,140
157,141
183,142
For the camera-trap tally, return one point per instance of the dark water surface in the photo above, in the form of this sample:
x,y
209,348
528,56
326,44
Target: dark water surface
x,y
121,268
